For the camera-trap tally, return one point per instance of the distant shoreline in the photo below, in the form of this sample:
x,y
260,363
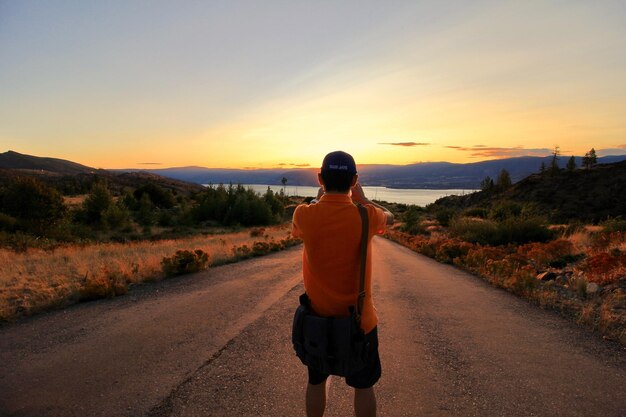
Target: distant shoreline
x,y
416,196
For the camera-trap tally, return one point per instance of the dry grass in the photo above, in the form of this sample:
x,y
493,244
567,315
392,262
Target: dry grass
x,y
37,279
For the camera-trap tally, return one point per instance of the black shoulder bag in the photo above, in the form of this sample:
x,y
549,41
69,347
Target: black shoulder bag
x,y
335,346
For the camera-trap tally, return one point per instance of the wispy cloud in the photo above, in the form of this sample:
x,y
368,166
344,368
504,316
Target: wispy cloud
x,y
483,151
405,143
149,163
283,164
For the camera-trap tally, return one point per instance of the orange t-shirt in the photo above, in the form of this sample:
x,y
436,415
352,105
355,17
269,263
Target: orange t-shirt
x,y
331,230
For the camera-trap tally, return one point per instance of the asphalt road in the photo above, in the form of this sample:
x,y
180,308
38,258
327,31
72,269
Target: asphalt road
x,y
218,344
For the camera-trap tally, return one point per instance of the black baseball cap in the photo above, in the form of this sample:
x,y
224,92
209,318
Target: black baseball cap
x,y
339,161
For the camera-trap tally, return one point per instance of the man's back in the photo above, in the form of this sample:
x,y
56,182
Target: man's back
x,y
331,230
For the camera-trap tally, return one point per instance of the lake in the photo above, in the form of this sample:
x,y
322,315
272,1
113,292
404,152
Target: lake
x,y
419,197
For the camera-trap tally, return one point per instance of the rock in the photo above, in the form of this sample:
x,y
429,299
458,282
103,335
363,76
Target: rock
x,y
592,288
562,280
546,276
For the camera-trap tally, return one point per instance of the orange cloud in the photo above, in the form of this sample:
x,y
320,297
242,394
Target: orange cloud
x,y
283,164
404,143
483,151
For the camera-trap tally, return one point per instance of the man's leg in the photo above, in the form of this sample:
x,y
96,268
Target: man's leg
x,y
316,399
364,402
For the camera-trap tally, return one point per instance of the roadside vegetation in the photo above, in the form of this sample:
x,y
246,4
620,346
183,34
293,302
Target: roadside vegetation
x,y
577,267
35,214
59,248
35,280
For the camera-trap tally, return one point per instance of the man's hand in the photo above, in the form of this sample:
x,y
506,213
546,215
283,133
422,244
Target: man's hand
x,y
358,195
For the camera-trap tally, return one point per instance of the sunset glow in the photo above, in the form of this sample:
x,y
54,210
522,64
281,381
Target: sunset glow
x,y
239,84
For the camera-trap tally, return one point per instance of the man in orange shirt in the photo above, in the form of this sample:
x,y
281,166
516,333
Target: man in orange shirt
x,y
331,230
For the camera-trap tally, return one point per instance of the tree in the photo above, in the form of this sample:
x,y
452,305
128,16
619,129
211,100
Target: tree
x,y
284,181
504,180
590,159
36,206
554,163
159,197
571,164
542,168
145,215
97,203
486,184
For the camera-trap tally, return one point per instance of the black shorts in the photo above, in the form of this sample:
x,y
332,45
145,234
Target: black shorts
x,y
366,377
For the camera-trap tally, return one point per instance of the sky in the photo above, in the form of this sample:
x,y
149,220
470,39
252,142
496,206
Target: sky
x,y
250,84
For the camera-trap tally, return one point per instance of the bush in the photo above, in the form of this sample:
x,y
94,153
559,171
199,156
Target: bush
x,y
242,252
614,225
487,232
484,232
98,202
110,284
520,231
260,248
34,205
412,219
444,215
161,198
505,210
116,216
184,262
476,212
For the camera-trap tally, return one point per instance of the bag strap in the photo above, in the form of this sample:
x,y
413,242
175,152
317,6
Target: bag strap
x,y
364,238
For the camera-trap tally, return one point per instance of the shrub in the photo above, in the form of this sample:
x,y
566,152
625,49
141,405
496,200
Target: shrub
x,y
110,284
98,202
412,218
116,216
451,250
524,230
260,248
242,252
160,197
505,210
614,225
476,212
34,205
484,232
184,262
444,215
604,267
487,232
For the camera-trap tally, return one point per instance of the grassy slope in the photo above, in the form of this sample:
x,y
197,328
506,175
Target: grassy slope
x,y
587,195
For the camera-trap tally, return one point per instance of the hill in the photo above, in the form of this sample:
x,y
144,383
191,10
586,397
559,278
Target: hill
x,y
589,195
54,166
433,175
72,178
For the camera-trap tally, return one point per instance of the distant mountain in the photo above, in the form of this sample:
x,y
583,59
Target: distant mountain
x,y
435,175
584,194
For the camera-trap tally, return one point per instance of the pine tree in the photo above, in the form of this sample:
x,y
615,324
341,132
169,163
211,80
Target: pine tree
x,y
486,184
571,164
504,180
590,159
554,163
